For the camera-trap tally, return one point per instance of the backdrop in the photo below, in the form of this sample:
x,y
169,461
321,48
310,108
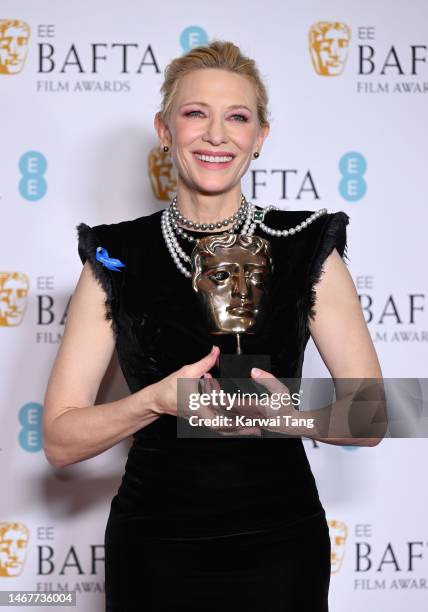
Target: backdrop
x,y
79,87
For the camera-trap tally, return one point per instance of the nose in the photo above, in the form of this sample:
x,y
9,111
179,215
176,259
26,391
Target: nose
x,y
334,49
13,46
240,286
215,132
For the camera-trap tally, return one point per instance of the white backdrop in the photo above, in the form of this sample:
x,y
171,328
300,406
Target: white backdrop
x,y
92,127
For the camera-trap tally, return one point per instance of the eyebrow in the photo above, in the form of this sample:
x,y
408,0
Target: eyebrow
x,y
250,264
232,106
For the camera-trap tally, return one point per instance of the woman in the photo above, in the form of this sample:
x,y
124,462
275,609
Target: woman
x,y
218,522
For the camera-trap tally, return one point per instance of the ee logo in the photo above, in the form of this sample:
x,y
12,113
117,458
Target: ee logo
x,y
193,36
32,166
30,435
352,167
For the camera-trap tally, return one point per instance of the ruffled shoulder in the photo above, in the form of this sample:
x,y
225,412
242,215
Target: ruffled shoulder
x,y
333,234
103,246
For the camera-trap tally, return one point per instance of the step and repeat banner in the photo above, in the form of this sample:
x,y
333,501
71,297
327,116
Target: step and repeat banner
x,y
79,87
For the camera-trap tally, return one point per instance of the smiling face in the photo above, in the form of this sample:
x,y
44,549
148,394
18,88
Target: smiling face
x,y
213,129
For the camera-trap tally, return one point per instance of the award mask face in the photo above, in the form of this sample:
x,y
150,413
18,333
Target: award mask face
x,y
231,274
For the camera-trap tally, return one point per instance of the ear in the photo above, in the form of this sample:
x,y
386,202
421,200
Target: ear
x,y
263,134
162,130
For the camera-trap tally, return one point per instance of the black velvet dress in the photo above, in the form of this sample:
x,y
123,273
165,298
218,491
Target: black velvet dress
x,y
211,524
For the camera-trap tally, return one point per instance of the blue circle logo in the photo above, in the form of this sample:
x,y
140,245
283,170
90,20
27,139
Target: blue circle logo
x,y
30,435
193,36
32,166
353,186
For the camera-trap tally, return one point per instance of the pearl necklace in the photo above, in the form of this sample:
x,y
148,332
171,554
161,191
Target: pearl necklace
x,y
175,217
178,216
247,211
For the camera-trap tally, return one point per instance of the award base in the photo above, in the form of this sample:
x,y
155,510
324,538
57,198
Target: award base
x,y
239,366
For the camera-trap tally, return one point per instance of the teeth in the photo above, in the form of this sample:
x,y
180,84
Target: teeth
x,y
213,158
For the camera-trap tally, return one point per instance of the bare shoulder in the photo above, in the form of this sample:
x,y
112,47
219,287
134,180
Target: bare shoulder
x,y
85,351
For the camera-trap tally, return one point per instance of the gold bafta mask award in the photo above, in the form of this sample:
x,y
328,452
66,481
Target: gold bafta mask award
x,y
329,47
231,274
14,41
162,174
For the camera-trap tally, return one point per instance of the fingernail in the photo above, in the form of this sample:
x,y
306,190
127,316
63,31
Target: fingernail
x,y
213,348
256,372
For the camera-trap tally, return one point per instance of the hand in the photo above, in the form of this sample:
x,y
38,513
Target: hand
x,y
287,409
164,398
281,406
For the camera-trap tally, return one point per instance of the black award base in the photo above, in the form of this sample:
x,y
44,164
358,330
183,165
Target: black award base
x,y
239,367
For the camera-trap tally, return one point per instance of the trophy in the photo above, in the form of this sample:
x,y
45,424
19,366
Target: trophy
x,y
231,274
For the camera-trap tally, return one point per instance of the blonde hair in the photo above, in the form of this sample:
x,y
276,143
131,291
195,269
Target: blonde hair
x,y
218,54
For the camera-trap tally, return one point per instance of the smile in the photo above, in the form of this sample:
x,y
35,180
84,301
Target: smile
x,y
213,161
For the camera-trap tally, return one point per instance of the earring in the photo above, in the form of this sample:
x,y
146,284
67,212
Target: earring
x,y
166,149
256,154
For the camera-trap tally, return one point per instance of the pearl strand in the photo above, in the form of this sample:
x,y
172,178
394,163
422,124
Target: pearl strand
x,y
179,231
296,228
178,216
247,210
173,246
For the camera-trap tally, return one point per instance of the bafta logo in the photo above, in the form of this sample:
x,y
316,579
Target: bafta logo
x,y
14,539
328,46
162,175
13,297
14,37
338,536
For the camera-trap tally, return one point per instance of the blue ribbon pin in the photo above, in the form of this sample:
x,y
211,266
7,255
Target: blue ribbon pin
x,y
109,262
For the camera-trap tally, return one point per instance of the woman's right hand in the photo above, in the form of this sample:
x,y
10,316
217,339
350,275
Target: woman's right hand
x,y
164,399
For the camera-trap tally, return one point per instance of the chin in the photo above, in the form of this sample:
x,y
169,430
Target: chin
x,y
212,187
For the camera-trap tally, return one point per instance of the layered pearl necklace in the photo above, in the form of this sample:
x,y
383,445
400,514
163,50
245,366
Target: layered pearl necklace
x,y
247,214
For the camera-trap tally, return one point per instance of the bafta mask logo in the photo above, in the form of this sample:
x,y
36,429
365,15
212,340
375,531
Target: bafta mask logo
x,y
338,536
13,298
162,174
14,538
14,37
328,46
231,274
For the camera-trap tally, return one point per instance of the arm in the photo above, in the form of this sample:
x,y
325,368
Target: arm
x,y
342,338
340,333
74,428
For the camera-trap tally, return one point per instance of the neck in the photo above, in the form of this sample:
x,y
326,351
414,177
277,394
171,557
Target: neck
x,y
208,208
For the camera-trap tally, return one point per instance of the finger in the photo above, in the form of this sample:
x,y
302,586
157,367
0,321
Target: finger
x,y
205,384
189,380
268,380
197,369
242,431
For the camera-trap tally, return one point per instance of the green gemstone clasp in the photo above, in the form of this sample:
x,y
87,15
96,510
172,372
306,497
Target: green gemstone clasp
x,y
258,216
